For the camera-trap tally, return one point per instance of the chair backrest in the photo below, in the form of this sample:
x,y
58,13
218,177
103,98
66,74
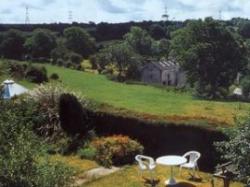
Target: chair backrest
x,y
145,162
193,156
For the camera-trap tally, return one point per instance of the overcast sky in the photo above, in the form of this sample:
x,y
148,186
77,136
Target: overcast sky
x,y
47,11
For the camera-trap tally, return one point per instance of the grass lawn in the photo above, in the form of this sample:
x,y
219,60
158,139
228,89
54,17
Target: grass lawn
x,y
130,177
80,165
148,99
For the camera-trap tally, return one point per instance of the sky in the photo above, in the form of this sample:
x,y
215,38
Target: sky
x,y
113,11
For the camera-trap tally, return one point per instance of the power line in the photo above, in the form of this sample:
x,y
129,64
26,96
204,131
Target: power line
x,y
27,16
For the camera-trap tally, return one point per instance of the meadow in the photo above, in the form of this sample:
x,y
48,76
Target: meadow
x,y
149,100
145,101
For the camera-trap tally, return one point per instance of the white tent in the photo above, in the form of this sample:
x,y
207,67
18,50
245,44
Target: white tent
x,y
11,89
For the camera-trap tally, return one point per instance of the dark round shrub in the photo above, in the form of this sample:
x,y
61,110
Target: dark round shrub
x,y
73,118
54,76
36,74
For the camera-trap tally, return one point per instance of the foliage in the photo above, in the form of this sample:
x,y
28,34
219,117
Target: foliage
x,y
244,29
210,54
117,150
157,31
12,44
139,40
73,57
73,118
36,74
163,47
59,53
54,76
41,43
245,83
87,152
237,149
47,99
79,41
23,159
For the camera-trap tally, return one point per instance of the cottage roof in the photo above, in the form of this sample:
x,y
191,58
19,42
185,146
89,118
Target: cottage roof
x,y
164,65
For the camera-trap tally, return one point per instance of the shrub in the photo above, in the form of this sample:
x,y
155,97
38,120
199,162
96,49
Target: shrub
x,y
245,83
36,74
23,158
46,98
54,76
237,149
88,152
74,58
73,117
117,150
93,62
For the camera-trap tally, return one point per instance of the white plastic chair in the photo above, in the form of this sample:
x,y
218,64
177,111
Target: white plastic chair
x,y
146,163
192,157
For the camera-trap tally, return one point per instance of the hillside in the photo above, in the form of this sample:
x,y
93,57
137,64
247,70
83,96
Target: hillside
x,y
149,101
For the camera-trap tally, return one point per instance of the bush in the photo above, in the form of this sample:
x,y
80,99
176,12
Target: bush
x,y
36,74
237,149
73,118
116,150
46,97
23,158
245,83
93,62
54,76
74,58
88,152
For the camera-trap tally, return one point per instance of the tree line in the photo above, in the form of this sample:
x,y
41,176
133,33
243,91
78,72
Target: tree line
x,y
212,52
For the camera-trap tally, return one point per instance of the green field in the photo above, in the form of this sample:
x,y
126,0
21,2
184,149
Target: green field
x,y
149,101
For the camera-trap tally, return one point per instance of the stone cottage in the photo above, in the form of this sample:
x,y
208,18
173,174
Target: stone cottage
x,y
165,72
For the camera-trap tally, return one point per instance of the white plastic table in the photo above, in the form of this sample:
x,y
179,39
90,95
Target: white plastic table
x,y
171,160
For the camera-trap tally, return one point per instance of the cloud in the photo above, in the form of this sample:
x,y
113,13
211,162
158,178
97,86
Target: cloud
x,y
48,2
6,11
31,6
109,7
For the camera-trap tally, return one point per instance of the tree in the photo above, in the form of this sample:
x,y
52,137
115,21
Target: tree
x,y
163,47
12,44
79,41
244,29
123,57
140,41
245,83
237,149
41,43
157,31
210,54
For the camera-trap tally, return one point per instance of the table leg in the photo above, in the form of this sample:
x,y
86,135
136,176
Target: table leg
x,y
171,181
